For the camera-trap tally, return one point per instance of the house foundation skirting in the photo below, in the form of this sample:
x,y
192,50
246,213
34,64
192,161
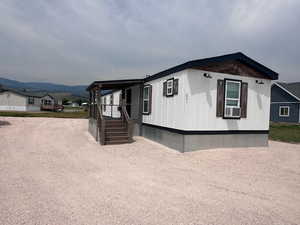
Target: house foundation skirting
x,y
185,141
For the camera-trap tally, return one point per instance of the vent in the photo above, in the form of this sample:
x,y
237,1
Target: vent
x,y
232,112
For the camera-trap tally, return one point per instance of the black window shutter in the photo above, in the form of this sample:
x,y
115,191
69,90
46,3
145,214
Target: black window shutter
x,y
175,87
150,99
220,98
165,88
244,98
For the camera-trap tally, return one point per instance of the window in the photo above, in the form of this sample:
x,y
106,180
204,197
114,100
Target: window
x,y
46,102
146,100
31,100
284,111
232,98
170,87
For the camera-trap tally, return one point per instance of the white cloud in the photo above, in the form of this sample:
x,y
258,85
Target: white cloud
x,y
78,41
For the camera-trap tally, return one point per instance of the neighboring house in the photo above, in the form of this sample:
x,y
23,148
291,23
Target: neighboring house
x,y
285,102
27,101
51,102
16,100
57,97
215,102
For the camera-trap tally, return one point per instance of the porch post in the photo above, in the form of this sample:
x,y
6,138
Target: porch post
x,y
90,105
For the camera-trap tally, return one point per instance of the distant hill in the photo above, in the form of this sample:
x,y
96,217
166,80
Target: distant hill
x,y
78,90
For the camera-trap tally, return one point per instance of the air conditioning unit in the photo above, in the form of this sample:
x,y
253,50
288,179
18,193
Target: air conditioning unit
x,y
232,112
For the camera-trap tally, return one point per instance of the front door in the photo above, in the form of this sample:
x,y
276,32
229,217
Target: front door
x,y
128,100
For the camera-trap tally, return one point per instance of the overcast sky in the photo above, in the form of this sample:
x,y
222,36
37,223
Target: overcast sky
x,y
78,41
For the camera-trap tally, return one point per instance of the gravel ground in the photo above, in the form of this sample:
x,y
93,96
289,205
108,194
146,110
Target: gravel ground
x,y
53,172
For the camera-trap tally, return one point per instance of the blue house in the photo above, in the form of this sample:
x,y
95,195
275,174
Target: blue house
x,y
285,102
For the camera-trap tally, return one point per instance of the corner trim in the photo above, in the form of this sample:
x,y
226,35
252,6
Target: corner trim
x,y
207,132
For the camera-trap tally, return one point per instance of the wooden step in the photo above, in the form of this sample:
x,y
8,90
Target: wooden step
x,y
115,129
117,138
116,142
116,133
115,125
114,121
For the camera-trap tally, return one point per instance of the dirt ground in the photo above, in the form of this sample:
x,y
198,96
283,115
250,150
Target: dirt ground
x,y
53,172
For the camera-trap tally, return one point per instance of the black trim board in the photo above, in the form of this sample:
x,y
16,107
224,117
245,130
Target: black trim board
x,y
206,132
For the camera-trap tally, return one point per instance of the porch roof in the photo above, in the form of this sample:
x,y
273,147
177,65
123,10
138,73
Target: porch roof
x,y
114,84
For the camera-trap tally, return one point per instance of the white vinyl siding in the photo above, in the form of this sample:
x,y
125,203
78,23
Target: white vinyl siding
x,y
10,101
194,108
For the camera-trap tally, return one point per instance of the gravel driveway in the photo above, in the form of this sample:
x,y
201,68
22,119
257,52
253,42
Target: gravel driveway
x,y
53,172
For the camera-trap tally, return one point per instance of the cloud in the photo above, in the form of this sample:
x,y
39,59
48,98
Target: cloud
x,y
78,41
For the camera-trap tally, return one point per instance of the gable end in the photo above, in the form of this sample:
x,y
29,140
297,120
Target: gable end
x,y
235,68
279,94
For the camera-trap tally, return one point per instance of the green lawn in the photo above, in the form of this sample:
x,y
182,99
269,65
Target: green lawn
x,y
285,132
79,114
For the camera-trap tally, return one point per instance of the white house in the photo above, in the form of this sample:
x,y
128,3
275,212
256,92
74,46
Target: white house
x,y
26,101
222,101
15,100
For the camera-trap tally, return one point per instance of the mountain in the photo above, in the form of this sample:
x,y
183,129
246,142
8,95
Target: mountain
x,y
79,90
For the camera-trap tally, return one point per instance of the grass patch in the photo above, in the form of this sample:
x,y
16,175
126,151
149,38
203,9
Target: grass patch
x,y
285,132
78,114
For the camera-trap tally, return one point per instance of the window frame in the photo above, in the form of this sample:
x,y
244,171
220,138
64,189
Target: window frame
x,y
31,100
147,100
171,80
46,102
288,111
236,99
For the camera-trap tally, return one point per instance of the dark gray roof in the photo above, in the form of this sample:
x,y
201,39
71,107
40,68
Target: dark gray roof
x,y
24,92
238,56
293,88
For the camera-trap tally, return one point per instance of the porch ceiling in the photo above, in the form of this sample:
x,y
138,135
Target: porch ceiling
x,y
114,84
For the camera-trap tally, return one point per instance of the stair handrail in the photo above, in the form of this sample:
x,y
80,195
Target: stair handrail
x,y
128,121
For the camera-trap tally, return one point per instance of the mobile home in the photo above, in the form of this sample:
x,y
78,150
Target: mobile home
x,y
222,101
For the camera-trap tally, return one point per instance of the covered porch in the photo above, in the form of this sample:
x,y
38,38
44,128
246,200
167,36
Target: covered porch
x,y
115,110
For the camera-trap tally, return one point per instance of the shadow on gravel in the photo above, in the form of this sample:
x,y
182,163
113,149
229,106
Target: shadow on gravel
x,y
4,123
